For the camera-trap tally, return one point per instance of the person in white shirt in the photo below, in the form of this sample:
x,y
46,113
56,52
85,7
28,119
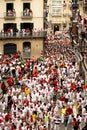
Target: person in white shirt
x,y
33,96
18,123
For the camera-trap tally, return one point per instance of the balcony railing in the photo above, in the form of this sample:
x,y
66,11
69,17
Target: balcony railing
x,y
10,15
20,34
64,3
56,14
27,14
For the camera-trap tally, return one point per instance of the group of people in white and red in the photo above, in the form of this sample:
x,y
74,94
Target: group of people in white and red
x,y
37,94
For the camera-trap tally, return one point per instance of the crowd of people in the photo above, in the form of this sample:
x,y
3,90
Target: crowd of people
x,y
10,32
43,93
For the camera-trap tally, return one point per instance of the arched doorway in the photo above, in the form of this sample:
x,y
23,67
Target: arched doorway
x,y
26,49
56,28
10,48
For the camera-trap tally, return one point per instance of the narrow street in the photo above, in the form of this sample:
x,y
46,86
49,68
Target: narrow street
x,y
43,65
55,79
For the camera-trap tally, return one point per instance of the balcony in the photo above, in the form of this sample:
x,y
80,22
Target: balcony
x,y
10,15
65,13
69,13
56,14
21,34
64,3
27,14
70,4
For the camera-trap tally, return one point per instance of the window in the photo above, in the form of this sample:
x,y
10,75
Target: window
x,y
64,25
26,26
27,9
57,11
9,6
10,27
10,11
56,3
26,6
57,7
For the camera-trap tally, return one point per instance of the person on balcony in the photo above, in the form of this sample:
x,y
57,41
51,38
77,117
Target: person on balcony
x,y
23,32
8,31
13,12
30,12
2,32
24,12
9,13
27,12
27,30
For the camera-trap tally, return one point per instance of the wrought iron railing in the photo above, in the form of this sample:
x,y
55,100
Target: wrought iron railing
x,y
9,14
26,14
22,34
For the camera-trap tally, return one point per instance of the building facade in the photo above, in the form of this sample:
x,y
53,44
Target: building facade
x,y
22,27
78,34
59,15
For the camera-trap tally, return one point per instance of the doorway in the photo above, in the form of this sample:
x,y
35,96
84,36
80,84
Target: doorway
x,y
9,6
10,48
8,26
56,28
26,6
26,49
27,26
